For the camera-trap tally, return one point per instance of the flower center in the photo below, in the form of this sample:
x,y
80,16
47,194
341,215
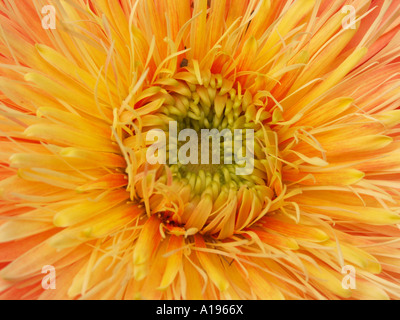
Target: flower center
x,y
220,156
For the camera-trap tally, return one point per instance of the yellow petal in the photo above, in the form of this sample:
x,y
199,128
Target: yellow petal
x,y
327,279
370,215
262,288
173,261
147,241
296,231
212,265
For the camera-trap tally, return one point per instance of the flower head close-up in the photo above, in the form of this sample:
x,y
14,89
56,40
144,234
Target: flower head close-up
x,y
200,150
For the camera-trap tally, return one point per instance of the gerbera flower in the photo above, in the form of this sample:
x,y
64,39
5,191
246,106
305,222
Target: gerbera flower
x,y
320,90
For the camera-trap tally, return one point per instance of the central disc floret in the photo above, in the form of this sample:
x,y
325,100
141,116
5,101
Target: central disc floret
x,y
202,152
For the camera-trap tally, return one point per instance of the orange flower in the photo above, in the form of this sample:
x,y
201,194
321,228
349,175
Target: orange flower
x,y
76,190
